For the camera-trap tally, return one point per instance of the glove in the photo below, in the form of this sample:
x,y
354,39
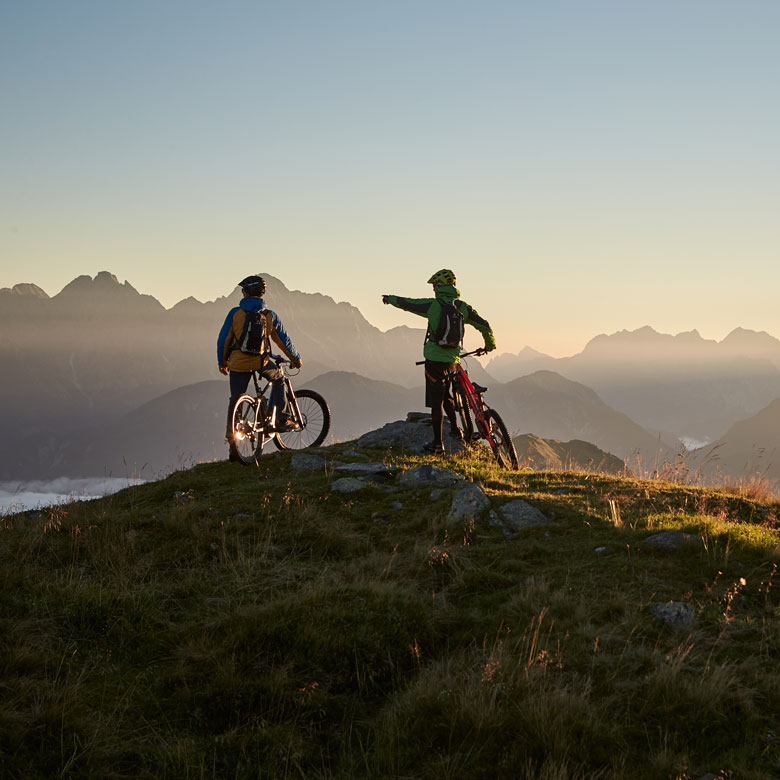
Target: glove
x,y
385,299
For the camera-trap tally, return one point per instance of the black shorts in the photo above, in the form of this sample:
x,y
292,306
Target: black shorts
x,y
437,381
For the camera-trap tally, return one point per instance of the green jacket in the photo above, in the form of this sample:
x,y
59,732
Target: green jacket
x,y
428,308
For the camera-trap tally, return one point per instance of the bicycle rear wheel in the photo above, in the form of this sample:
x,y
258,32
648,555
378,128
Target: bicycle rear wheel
x,y
314,426
502,445
246,442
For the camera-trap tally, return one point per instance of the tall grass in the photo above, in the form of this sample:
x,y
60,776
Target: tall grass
x,y
229,622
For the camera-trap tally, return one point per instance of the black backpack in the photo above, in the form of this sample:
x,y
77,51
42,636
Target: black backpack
x,y
254,336
449,331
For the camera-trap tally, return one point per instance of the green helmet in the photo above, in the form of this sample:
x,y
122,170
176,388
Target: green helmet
x,y
445,276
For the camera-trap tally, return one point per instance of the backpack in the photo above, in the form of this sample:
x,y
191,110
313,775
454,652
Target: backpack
x,y
254,336
449,331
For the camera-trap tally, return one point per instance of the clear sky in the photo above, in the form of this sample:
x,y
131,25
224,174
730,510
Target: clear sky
x,y
583,165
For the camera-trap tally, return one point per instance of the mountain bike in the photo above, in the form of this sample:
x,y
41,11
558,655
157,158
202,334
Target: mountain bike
x,y
468,401
253,422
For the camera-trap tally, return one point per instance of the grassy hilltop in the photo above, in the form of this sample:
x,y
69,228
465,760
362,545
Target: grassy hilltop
x,y
253,623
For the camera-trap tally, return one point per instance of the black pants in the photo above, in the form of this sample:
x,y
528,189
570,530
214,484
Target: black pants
x,y
438,377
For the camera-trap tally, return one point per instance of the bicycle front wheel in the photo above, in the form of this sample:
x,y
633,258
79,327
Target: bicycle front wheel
x,y
464,415
502,445
247,442
314,424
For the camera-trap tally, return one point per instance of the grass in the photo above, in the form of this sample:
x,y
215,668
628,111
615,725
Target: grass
x,y
252,623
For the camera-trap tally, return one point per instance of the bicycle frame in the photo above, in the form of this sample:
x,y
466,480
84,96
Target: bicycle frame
x,y
475,402
262,392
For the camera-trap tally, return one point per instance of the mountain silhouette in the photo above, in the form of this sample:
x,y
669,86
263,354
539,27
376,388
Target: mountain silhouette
x,y
684,385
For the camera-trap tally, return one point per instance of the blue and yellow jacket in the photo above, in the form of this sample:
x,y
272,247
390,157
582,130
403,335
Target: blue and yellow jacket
x,y
228,353
429,308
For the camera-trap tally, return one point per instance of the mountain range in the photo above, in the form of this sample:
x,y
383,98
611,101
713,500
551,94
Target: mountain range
x,y
682,386
101,379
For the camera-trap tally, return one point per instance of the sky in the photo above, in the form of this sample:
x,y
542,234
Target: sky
x,y
584,166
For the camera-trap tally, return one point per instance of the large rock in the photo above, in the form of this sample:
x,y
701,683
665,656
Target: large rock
x,y
410,435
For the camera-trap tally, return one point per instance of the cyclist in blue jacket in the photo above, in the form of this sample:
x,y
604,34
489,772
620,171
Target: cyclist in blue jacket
x,y
239,364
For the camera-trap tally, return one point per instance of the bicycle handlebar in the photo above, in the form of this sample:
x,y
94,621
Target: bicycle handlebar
x,y
480,351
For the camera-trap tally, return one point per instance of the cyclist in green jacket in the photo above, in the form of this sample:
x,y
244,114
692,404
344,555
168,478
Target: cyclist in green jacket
x,y
441,358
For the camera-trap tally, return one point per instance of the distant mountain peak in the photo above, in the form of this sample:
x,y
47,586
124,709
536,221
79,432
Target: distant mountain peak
x,y
743,337
25,288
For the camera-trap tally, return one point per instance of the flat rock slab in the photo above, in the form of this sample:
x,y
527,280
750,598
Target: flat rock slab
x,y
676,614
519,515
379,469
671,540
348,485
468,503
428,475
304,461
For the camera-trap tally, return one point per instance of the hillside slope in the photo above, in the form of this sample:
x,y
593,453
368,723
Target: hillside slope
x,y
299,619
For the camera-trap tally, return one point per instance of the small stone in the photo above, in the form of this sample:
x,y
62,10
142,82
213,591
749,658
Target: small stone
x,y
671,540
601,550
468,504
355,455
428,474
304,461
676,614
366,468
243,516
396,505
519,515
348,485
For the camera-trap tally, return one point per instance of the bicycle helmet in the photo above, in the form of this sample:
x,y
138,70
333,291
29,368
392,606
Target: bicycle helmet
x,y
253,286
445,276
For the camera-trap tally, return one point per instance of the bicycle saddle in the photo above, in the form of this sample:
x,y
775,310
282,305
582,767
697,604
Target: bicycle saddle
x,y
479,389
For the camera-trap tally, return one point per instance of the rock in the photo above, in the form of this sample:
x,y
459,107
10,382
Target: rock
x,y
676,614
366,468
348,485
243,516
428,474
671,540
396,505
468,504
601,550
437,494
304,461
416,417
519,515
409,436
495,521
354,454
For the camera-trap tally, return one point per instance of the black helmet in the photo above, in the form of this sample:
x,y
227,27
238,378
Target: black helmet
x,y
253,286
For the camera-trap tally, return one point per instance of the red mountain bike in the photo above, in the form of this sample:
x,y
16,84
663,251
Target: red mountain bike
x,y
468,401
